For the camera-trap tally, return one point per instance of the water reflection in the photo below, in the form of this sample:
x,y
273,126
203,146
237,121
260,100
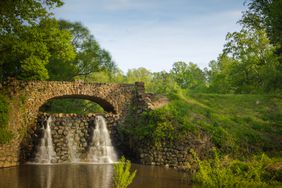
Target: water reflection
x,y
159,177
57,176
87,176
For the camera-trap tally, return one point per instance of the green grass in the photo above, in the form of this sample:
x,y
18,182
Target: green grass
x,y
237,124
240,123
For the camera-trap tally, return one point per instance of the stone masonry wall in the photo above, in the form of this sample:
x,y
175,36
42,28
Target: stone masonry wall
x,y
68,131
26,97
174,154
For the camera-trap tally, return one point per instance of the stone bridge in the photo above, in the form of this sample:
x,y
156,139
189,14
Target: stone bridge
x,y
26,98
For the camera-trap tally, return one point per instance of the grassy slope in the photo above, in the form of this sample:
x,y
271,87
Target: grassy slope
x,y
238,124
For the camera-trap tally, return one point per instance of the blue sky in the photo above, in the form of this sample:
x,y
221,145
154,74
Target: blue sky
x,y
156,33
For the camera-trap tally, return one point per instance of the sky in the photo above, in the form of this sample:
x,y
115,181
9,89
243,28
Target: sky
x,y
157,33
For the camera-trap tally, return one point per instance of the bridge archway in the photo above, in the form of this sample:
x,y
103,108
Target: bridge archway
x,y
107,107
28,96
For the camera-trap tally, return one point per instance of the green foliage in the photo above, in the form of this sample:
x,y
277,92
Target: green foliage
x,y
248,65
138,75
265,14
169,123
251,59
162,83
188,76
30,38
26,53
225,172
90,59
4,111
77,106
5,135
15,14
91,64
122,175
237,124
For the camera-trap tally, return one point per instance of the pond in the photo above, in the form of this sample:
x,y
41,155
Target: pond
x,y
87,176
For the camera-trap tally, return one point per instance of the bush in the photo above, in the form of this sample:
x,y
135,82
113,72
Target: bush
x,y
123,177
225,172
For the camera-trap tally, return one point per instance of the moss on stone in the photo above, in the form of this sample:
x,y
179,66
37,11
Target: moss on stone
x,y
5,134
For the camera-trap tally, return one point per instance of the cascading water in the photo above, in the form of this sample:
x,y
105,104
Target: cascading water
x,y
46,153
72,146
101,149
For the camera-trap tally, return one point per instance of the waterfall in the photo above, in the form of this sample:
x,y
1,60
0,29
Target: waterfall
x,y
101,149
72,146
46,153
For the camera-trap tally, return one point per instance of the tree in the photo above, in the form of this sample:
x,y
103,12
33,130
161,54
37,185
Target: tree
x,y
15,14
265,14
139,75
216,78
92,64
254,61
163,83
91,58
188,76
26,53
30,38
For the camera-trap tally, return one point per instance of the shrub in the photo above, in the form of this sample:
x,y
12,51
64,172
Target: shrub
x,y
123,177
225,172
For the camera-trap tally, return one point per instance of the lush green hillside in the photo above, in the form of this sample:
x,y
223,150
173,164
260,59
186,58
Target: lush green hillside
x,y
237,124
245,123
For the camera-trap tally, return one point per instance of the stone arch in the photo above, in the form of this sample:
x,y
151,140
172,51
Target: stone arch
x,y
107,106
28,96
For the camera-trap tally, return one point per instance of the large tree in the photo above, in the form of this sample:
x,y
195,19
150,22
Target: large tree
x,y
15,14
26,53
188,76
30,38
265,14
248,64
90,59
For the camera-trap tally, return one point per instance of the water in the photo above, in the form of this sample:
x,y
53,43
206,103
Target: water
x,y
101,149
45,153
87,176
72,147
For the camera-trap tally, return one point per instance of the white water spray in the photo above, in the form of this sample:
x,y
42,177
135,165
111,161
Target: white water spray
x,y
46,151
101,149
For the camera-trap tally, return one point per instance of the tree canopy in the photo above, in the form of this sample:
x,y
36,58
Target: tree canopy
x,y
15,14
30,38
90,57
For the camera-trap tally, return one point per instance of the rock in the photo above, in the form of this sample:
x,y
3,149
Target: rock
x,y
60,131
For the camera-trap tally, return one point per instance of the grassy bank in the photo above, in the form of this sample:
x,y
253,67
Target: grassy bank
x,y
239,125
